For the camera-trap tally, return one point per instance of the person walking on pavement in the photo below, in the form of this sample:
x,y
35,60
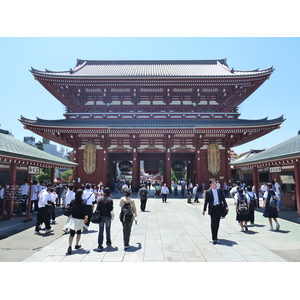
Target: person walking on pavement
x,y
24,191
105,206
43,214
195,193
242,205
164,193
214,198
70,195
252,198
270,212
127,202
143,195
78,217
277,189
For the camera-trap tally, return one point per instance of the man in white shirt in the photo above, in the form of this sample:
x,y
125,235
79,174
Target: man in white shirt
x,y
34,197
164,193
43,214
195,193
24,189
89,196
279,193
215,200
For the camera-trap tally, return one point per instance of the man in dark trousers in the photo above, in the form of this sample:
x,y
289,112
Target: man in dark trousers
x,y
214,198
143,195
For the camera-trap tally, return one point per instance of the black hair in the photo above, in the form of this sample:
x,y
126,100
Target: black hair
x,y
210,181
106,191
127,192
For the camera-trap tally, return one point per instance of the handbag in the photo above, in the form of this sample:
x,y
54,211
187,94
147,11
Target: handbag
x,y
68,210
224,211
96,217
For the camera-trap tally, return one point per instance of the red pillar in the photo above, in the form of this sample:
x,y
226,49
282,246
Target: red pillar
x,y
52,179
228,167
135,171
198,166
104,167
255,183
167,169
297,184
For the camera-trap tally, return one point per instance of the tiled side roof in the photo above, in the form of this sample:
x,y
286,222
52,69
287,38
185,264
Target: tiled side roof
x,y
152,123
151,68
11,147
285,150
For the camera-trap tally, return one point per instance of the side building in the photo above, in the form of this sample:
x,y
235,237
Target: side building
x,y
281,162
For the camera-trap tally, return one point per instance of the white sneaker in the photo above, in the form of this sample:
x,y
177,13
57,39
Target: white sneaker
x,y
277,226
49,230
271,228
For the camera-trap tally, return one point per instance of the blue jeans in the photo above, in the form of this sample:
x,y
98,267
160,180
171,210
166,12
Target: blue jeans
x,y
107,222
279,203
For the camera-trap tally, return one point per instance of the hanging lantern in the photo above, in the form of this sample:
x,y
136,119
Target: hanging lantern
x,y
178,166
125,166
151,167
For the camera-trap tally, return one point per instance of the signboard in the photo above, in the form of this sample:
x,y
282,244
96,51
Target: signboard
x,y
275,169
33,170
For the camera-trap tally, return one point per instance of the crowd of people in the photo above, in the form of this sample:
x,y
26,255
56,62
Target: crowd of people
x,y
88,198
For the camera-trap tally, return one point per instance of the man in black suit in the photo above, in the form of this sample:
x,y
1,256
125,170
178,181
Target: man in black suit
x,y
214,198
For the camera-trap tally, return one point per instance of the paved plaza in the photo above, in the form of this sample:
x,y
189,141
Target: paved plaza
x,y
166,232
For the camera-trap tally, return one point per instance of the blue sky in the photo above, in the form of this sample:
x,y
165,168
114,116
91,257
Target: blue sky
x,y
22,95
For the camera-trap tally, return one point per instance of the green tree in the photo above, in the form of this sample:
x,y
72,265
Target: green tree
x,y
67,175
45,175
40,145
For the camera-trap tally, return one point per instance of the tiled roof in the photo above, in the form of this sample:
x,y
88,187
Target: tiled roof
x,y
285,150
11,147
152,123
151,68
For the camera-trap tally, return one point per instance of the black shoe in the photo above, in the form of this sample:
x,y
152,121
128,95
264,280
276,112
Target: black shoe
x,y
77,246
215,241
69,250
100,248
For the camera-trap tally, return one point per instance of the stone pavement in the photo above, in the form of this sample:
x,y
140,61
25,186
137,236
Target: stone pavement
x,y
166,232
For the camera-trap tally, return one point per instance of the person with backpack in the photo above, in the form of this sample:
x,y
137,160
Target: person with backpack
x,y
271,211
251,198
127,215
242,208
143,195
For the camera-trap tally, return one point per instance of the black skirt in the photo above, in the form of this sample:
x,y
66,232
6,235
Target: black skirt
x,y
270,212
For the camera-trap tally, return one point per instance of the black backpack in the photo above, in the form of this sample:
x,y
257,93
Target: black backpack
x,y
252,201
126,213
242,204
273,200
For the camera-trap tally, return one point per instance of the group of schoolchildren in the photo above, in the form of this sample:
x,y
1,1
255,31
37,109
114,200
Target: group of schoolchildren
x,y
82,203
246,202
